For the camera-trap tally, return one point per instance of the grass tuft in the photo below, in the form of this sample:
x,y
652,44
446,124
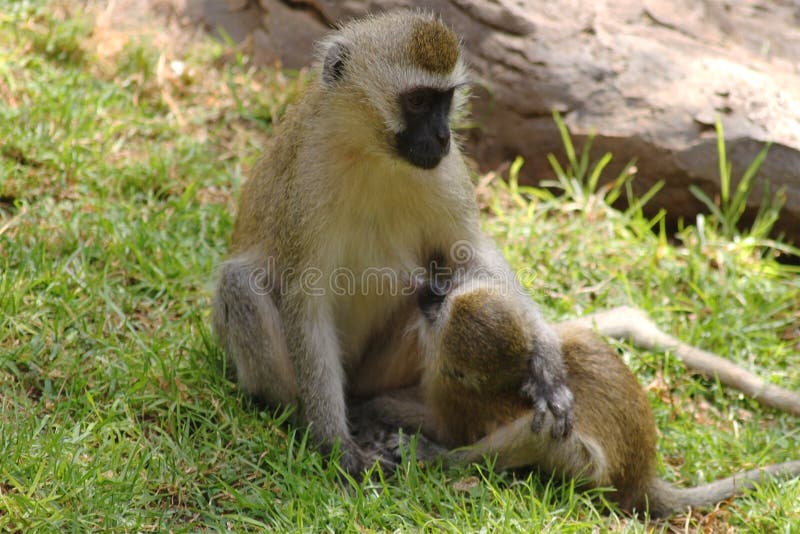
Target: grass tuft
x,y
726,213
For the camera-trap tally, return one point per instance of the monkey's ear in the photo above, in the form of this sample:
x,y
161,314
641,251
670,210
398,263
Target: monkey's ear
x,y
334,63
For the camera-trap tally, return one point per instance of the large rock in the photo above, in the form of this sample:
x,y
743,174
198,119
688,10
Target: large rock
x,y
648,77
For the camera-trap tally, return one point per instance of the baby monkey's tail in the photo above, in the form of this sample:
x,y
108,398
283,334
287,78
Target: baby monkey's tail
x,y
664,498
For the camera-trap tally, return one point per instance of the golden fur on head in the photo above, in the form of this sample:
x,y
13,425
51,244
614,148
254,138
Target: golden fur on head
x,y
433,46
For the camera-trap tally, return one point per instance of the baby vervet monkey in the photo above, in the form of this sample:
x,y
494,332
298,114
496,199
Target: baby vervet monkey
x,y
362,180
480,345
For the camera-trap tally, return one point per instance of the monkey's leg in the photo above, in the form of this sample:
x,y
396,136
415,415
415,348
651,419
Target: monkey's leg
x,y
401,408
252,334
631,323
248,326
513,445
315,355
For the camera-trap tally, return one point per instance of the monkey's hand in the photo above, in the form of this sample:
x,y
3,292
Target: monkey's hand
x,y
546,385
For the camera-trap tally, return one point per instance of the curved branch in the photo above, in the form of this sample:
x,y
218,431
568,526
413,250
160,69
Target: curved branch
x,y
626,322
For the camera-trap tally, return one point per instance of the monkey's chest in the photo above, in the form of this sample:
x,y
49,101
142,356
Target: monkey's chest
x,y
372,245
370,291
370,280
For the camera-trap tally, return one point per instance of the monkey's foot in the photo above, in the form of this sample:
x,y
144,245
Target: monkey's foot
x,y
356,461
397,446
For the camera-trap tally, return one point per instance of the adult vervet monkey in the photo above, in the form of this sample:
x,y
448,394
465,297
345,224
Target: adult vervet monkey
x,y
361,177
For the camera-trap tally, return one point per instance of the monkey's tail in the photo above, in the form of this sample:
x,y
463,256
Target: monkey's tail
x,y
664,498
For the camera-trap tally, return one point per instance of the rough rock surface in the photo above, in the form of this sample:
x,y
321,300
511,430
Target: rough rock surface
x,y
647,76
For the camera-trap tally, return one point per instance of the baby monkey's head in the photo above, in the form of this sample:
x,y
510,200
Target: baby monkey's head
x,y
478,337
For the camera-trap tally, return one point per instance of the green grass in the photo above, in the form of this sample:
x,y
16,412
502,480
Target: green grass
x,y
118,174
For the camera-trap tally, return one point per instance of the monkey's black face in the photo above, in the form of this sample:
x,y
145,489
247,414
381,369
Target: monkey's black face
x,y
426,139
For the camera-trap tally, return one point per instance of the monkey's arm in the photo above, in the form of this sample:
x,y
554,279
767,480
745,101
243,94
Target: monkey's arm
x,y
402,408
626,322
513,445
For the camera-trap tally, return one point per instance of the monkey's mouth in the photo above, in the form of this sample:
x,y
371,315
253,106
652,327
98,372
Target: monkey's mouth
x,y
424,155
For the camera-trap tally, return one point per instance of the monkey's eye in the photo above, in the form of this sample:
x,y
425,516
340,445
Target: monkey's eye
x,y
417,101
